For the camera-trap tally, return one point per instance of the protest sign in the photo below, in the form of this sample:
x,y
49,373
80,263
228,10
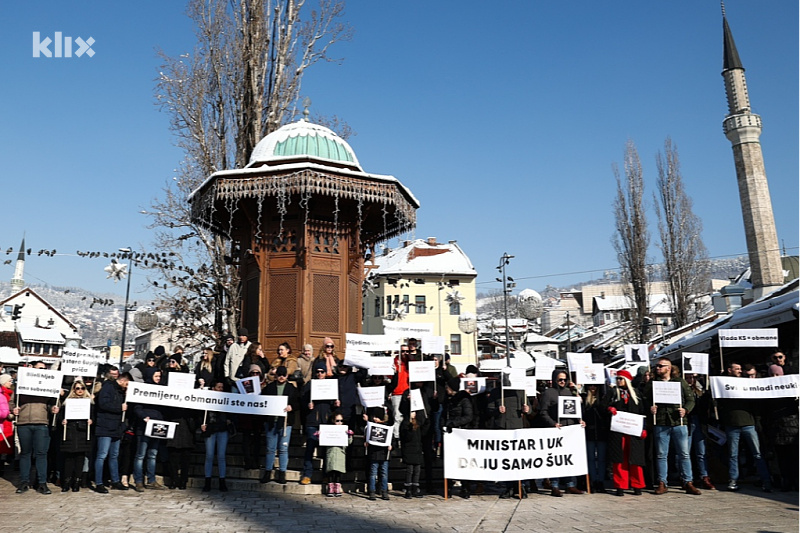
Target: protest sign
x,y
636,353
627,423
381,366
756,389
357,358
38,382
333,435
370,343
184,380
251,385
372,396
160,429
544,368
668,392
578,360
569,407
432,344
421,371
79,364
513,378
732,338
530,386
415,397
510,455
591,374
89,355
378,434
695,363
78,409
324,389
405,330
611,374
206,400
474,385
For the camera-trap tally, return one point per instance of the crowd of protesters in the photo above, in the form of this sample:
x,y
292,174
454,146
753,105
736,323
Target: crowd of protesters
x,y
111,451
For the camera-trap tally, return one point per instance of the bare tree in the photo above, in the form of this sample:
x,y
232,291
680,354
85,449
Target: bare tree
x,y
685,256
241,81
632,238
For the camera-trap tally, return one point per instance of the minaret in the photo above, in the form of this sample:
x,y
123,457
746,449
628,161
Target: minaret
x,y
17,283
743,128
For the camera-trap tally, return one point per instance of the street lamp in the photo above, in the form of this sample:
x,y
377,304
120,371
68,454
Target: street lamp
x,y
504,260
125,313
569,335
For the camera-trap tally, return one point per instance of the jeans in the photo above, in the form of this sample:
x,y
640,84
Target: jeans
x,y
750,436
146,446
680,437
568,481
277,441
34,439
376,468
398,416
218,440
107,447
698,446
596,458
311,444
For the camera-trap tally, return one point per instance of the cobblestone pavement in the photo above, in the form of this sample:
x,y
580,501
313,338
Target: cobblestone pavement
x,y
194,511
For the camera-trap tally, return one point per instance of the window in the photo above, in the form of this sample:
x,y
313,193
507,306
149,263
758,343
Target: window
x,y
8,309
406,303
377,306
388,304
455,308
419,303
455,344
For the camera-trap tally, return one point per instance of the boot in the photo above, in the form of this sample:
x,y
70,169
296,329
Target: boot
x,y
706,481
65,483
76,485
282,477
223,487
416,492
337,488
407,495
372,496
331,490
207,485
662,488
266,476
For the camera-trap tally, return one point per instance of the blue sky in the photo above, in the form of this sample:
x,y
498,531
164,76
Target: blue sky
x,y
503,119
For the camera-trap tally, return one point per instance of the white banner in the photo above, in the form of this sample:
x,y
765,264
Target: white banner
x,y
405,330
474,385
578,360
183,380
569,407
513,454
333,435
35,382
627,423
432,344
636,353
370,343
206,400
732,338
324,389
372,396
695,363
160,429
73,364
756,389
415,399
668,392
591,374
77,408
378,434
421,371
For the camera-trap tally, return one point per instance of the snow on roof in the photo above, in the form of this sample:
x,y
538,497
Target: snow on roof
x,y
532,337
420,257
9,356
659,303
42,335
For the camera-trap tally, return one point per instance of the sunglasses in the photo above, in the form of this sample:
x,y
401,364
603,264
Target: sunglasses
x,y
620,377
561,379
80,388
254,374
329,345
338,420
404,351
321,371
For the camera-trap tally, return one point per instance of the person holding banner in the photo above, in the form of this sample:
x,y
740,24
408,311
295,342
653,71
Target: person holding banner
x,y
378,456
6,426
147,447
670,426
336,459
318,412
698,418
549,416
279,432
781,421
31,414
75,442
457,414
506,409
111,408
215,429
626,452
398,387
597,431
412,441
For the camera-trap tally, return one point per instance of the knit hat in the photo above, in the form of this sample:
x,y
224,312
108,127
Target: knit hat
x,y
159,351
255,368
454,384
472,369
5,379
320,365
624,374
772,370
281,371
326,340
243,332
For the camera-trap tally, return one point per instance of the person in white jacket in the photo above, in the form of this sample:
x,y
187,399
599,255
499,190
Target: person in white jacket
x,y
236,354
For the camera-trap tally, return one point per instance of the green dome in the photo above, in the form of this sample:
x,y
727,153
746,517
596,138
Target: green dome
x,y
303,139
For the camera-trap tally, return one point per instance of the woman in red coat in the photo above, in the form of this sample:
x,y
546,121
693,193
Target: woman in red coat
x,y
6,427
626,452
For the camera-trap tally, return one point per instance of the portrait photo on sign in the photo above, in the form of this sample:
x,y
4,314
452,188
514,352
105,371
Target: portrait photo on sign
x,y
569,407
249,385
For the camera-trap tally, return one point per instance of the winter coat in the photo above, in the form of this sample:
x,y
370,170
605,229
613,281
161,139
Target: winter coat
x,y
411,440
457,411
108,406
597,419
384,415
292,400
336,457
234,358
290,363
348,392
321,411
548,413
184,432
208,376
782,421
514,402
76,441
6,426
637,445
33,409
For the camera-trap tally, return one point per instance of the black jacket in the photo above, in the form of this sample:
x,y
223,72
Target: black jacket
x,y
108,406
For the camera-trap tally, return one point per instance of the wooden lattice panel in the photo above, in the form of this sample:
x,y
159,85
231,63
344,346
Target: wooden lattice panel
x,y
325,314
282,301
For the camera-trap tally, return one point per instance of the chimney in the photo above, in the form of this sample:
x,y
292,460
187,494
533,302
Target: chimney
x,y
603,295
431,241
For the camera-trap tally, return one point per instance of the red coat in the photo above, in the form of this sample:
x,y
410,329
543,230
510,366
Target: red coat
x,y
7,427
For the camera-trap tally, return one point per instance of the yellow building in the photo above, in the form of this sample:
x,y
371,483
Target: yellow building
x,y
425,282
